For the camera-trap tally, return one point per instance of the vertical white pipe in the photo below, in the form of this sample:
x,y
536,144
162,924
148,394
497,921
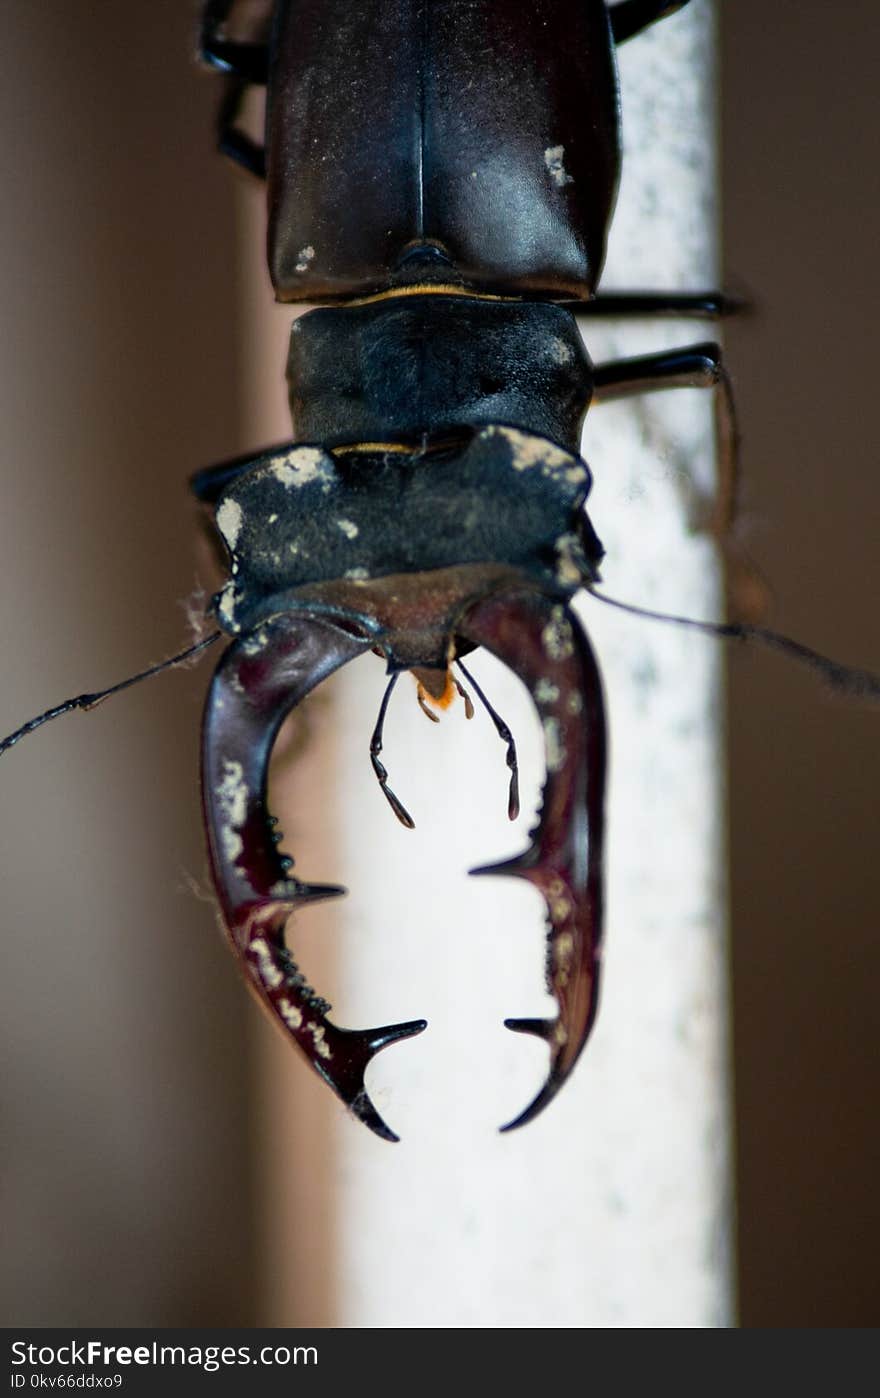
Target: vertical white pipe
x,y
612,1209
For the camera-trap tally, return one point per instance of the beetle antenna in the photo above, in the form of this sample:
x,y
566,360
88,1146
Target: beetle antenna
x,y
844,679
506,736
91,701
394,801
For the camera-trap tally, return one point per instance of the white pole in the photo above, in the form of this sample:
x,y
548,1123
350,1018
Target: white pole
x,y
613,1208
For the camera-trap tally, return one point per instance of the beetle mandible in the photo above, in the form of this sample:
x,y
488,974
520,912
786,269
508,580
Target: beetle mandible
x,y
431,499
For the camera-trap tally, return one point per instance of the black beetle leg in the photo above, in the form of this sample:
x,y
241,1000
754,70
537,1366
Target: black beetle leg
x,y
541,640
506,736
693,366
259,680
393,800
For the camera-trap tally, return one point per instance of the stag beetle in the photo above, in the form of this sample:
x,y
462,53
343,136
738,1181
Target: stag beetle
x,y
445,214
432,498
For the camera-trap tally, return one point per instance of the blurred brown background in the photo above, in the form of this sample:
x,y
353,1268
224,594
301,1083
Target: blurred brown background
x,y
802,232
129,1159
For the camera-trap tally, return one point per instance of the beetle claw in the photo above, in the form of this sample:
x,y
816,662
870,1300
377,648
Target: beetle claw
x,y
261,678
517,867
540,1028
253,690
359,1047
543,643
536,1106
317,892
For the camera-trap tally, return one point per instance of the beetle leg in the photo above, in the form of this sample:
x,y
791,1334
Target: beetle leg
x,y
506,736
698,366
636,305
693,366
260,679
393,800
541,640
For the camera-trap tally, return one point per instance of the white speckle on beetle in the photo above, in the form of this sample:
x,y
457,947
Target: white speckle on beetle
x,y
546,692
289,1013
574,703
530,451
559,904
557,636
225,608
348,527
232,794
229,520
302,466
562,353
556,753
317,1033
303,258
272,519
553,157
569,570
256,643
356,575
563,948
563,951
269,972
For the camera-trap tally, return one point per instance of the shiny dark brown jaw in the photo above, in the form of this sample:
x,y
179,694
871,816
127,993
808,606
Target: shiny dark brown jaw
x,y
262,677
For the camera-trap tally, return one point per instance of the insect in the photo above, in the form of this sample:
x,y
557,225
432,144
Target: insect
x,y
432,498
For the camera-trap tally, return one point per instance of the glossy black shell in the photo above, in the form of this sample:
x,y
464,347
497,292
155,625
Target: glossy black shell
x,y
485,130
